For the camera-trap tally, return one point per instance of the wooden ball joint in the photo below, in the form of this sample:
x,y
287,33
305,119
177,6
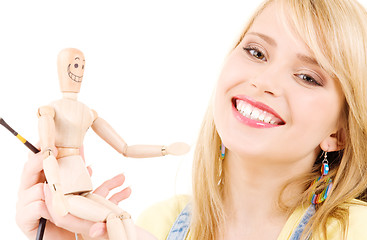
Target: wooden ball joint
x,y
62,127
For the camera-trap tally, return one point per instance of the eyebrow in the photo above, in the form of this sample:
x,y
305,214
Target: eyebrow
x,y
307,59
272,42
265,37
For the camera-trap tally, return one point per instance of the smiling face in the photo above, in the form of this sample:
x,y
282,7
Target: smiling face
x,y
273,101
70,66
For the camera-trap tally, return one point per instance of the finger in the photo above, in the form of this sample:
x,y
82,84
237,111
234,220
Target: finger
x,y
108,185
98,230
34,193
122,195
40,209
28,216
32,171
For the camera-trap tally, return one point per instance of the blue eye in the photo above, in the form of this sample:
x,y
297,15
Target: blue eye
x,y
308,79
256,53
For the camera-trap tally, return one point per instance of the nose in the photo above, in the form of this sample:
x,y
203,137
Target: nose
x,y
270,81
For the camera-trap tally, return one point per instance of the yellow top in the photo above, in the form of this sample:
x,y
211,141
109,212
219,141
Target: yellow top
x,y
159,219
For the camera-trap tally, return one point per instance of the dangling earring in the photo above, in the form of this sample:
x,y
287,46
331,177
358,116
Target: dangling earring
x,y
221,158
319,198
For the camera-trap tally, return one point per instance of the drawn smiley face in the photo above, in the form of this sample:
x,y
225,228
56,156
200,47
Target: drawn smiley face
x,y
76,69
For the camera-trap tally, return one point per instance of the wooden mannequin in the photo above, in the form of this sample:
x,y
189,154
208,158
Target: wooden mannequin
x,y
62,126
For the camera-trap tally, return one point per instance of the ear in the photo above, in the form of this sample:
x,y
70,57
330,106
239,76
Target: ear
x,y
334,142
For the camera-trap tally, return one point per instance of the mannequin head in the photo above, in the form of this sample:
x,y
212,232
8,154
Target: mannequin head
x,y
70,66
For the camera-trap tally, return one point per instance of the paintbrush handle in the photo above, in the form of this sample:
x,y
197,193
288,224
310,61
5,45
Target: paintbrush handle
x,y
23,140
42,222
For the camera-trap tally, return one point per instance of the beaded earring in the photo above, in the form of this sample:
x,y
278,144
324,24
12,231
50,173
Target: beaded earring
x,y
222,149
319,198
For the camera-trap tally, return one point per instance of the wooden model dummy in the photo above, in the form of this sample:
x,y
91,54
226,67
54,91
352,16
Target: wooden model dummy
x,y
62,125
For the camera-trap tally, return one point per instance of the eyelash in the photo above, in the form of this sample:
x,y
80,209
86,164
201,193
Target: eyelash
x,y
304,77
251,48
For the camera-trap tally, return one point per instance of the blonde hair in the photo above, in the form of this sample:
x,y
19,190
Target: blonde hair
x,y
335,32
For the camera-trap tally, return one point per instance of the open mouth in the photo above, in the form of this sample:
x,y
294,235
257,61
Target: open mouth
x,y
74,77
256,111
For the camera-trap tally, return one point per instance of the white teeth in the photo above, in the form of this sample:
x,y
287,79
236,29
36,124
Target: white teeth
x,y
267,119
254,113
239,104
247,110
262,116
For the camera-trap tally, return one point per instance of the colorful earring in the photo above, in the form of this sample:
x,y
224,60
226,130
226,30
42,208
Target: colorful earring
x,y
222,149
319,198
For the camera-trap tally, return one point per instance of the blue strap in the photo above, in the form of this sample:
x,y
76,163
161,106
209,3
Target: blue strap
x,y
181,226
302,224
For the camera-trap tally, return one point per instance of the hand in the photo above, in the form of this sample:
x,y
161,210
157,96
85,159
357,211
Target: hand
x,y
74,224
31,204
178,148
31,201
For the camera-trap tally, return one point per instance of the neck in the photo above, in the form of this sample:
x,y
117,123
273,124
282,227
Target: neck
x,y
70,95
252,190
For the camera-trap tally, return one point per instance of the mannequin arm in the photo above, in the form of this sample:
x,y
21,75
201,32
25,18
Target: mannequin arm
x,y
46,129
107,133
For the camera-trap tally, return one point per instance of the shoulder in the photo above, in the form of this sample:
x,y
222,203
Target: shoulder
x,y
46,110
357,225
159,218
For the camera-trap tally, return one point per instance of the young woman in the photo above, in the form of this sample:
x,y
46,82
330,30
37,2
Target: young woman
x,y
281,152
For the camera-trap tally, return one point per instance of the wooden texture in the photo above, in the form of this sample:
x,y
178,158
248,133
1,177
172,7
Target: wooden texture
x,y
63,125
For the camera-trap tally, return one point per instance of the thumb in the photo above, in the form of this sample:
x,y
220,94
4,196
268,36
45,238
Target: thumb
x,y
97,230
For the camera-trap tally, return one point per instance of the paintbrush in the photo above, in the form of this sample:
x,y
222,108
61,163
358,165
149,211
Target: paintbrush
x,y
42,223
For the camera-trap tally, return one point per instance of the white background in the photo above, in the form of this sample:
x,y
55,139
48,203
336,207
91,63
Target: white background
x,y
150,71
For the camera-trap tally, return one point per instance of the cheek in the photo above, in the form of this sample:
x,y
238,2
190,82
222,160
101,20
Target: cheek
x,y
236,70
316,118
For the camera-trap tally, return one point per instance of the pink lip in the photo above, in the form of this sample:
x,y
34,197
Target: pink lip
x,y
252,122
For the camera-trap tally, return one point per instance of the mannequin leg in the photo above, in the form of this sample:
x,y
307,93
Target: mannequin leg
x,y
88,209
124,216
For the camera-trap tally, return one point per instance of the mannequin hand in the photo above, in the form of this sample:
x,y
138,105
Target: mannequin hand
x,y
178,148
